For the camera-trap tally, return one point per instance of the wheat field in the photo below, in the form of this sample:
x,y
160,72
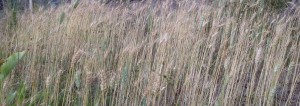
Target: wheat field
x,y
183,53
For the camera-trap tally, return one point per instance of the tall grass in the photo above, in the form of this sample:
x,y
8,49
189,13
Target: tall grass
x,y
187,53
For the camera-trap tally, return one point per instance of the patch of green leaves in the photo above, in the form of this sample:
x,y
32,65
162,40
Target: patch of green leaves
x,y
10,64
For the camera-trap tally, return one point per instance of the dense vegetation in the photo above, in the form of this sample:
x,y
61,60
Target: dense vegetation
x,y
169,53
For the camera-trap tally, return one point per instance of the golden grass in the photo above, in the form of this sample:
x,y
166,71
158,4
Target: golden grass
x,y
136,54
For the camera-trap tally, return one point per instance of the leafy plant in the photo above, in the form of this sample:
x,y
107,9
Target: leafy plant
x,y
9,64
6,67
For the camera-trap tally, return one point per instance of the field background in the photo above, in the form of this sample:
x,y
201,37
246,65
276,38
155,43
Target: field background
x,y
172,52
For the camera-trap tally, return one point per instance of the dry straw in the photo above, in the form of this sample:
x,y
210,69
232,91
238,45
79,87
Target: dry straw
x,y
174,52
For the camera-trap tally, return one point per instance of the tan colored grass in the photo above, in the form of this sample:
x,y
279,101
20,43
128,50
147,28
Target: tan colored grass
x,y
136,54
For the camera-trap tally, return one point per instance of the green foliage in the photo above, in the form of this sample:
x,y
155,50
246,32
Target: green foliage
x,y
9,65
11,97
21,93
76,4
13,18
5,70
276,4
62,17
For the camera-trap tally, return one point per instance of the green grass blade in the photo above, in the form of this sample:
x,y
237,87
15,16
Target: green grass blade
x,y
11,98
62,17
76,4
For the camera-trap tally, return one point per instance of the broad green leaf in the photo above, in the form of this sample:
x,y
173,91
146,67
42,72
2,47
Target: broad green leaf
x,y
10,64
11,97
